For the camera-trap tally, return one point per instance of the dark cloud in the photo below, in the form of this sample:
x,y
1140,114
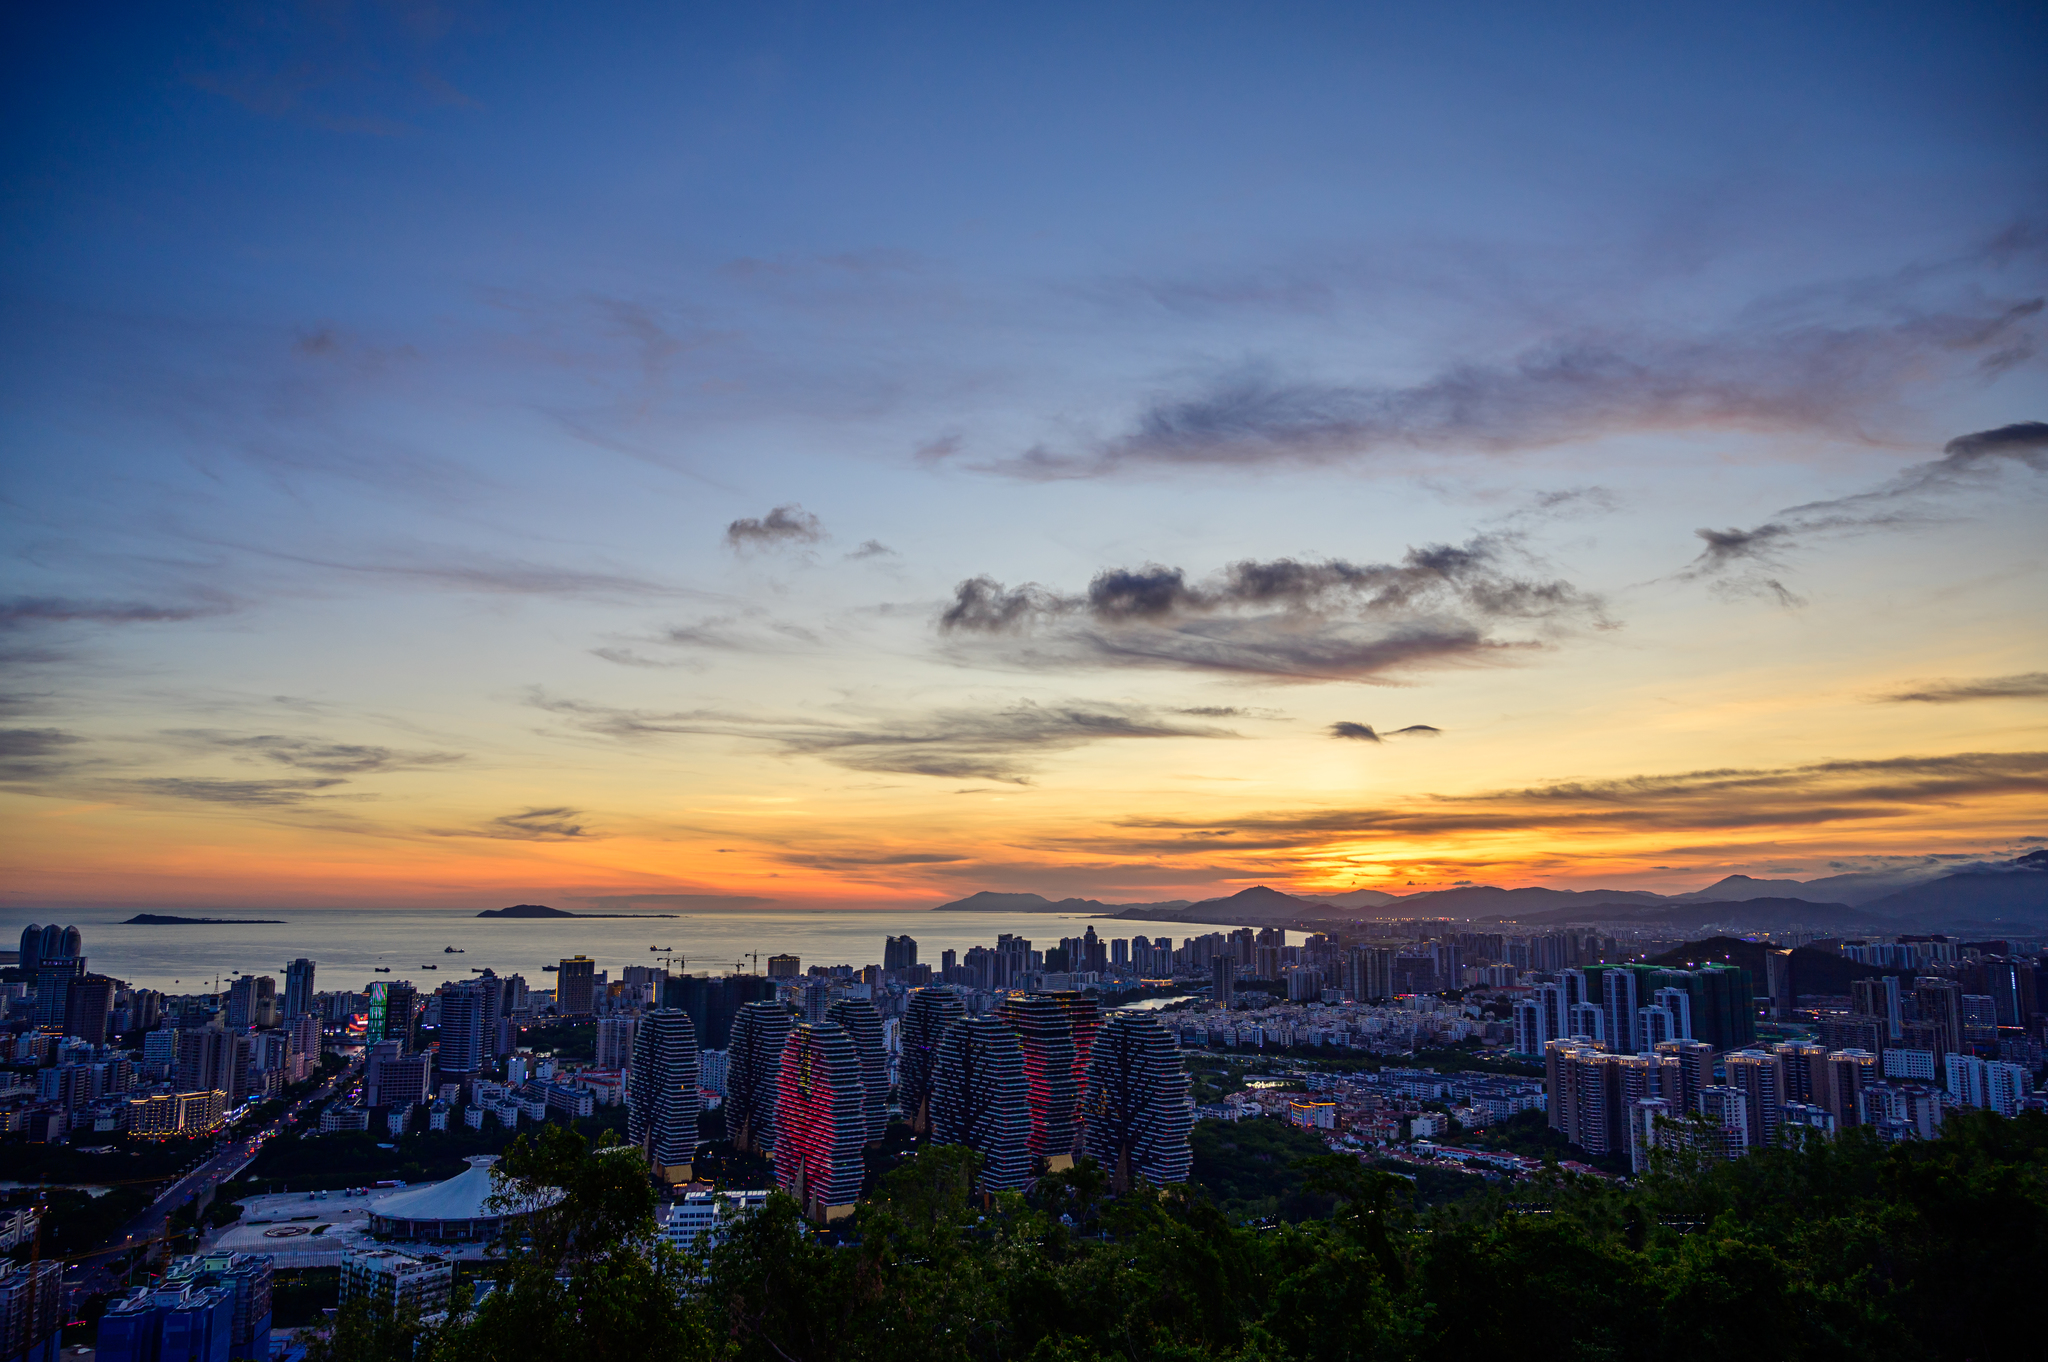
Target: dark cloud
x,y
21,611
1897,789
790,524
989,744
2026,686
537,825
2025,441
1800,376
251,792
36,754
1345,728
873,548
313,754
1288,619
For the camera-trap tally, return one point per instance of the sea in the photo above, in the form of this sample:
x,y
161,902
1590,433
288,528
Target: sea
x,y
348,946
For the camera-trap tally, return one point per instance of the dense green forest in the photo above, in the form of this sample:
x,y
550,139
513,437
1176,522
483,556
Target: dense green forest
x,y
1842,1248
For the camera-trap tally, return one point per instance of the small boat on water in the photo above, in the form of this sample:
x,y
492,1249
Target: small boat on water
x,y
430,967
383,969
453,950
549,969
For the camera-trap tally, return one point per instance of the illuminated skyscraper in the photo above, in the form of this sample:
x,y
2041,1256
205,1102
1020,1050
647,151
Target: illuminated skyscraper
x,y
930,1012
821,1124
1045,1035
662,1099
753,1071
864,1024
1138,1109
980,1099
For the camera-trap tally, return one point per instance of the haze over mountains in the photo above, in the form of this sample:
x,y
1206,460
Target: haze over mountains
x,y
1987,894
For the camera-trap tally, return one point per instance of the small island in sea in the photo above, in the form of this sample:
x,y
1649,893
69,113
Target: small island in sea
x,y
160,920
542,910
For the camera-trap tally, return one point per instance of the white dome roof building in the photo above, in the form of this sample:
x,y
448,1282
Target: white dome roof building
x,y
460,1209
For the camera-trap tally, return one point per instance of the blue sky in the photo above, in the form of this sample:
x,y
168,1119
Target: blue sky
x,y
397,398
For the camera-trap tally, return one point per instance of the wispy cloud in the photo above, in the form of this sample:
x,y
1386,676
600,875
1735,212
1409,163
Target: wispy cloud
x,y
314,754
2026,686
1818,793
1285,619
23,611
559,824
250,792
1738,559
1760,374
873,548
33,755
783,526
986,744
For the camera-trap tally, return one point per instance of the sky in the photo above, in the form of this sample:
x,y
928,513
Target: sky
x,y
856,455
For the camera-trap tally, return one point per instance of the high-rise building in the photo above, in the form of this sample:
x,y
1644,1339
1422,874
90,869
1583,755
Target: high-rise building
x,y
980,1099
1619,1006
821,1125
54,976
898,953
1939,1002
1223,979
303,1032
1761,1078
753,1072
392,1078
40,944
298,988
1839,1081
1529,1028
465,1030
930,1012
1727,1113
1778,983
615,1042
247,1277
785,966
252,1001
401,1015
1137,1109
575,979
1045,1035
864,1024
210,1059
1878,999
1802,1066
662,1096
88,1003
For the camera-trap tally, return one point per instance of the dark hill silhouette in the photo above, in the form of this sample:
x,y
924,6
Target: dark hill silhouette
x,y
1813,971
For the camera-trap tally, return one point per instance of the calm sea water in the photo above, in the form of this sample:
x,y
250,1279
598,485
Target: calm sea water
x,y
348,945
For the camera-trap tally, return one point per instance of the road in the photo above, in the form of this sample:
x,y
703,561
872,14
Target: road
x,y
197,1183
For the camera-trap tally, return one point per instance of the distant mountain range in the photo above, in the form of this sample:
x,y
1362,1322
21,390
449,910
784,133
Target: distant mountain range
x,y
1988,897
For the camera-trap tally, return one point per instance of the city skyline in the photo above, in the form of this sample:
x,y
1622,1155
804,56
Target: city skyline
x,y
854,458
